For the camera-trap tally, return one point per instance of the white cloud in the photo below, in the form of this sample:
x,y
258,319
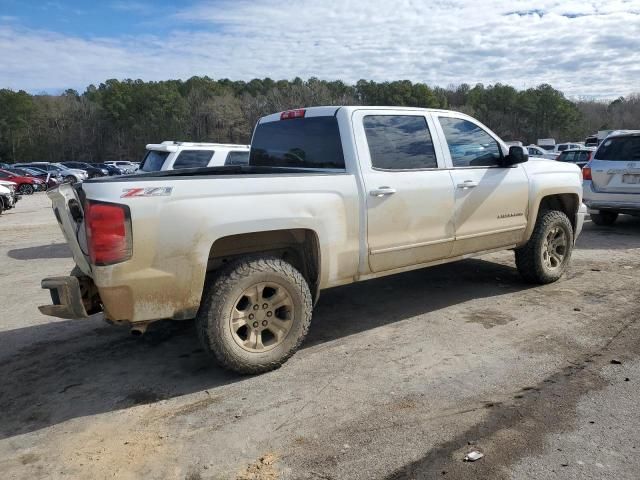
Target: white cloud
x,y
582,48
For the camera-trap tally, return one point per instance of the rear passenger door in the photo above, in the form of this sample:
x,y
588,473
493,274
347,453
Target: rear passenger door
x,y
409,199
490,200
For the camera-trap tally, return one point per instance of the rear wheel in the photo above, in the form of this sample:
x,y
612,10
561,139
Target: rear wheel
x,y
25,189
546,255
255,314
604,218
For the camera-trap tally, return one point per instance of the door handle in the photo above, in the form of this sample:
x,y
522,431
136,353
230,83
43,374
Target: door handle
x,y
467,184
382,191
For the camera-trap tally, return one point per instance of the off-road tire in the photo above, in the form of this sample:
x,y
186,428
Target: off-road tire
x,y
604,219
529,258
223,290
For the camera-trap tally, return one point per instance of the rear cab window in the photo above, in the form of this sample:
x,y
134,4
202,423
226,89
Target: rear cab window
x,y
626,148
307,142
152,162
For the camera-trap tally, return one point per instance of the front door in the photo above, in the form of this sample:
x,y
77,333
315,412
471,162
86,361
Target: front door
x,y
491,202
409,199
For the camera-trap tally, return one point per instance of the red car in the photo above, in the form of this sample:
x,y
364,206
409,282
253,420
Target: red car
x,y
26,185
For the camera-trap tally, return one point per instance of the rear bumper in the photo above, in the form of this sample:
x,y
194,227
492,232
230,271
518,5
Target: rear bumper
x,y
597,201
66,297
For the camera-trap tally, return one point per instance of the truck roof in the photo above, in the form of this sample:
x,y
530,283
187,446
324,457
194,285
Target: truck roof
x,y
327,111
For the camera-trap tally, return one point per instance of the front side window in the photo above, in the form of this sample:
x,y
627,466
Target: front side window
x,y
470,145
399,142
237,158
193,159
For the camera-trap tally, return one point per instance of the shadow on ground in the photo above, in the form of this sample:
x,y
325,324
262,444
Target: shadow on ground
x,y
87,371
54,250
623,234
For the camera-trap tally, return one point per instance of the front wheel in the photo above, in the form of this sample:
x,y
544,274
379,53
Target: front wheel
x,y
70,179
25,189
544,258
604,218
254,314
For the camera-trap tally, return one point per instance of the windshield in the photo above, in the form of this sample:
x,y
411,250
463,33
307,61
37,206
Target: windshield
x,y
547,147
620,149
152,162
299,142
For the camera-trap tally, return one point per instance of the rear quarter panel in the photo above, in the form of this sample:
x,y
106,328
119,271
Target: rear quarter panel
x,y
173,234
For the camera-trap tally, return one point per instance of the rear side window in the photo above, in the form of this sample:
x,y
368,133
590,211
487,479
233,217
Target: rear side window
x,y
193,159
619,148
399,142
298,142
567,157
152,162
237,158
582,157
470,145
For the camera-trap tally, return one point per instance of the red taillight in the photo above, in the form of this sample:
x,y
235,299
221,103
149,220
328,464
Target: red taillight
x,y
586,172
108,227
299,113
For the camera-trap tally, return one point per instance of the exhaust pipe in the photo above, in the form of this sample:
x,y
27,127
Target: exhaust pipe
x,y
138,329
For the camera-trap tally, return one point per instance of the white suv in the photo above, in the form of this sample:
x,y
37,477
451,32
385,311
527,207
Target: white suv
x,y
612,178
171,155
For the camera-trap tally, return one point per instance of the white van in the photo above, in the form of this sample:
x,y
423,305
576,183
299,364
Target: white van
x,y
170,155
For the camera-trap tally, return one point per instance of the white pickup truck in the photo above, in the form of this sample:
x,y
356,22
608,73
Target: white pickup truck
x,y
331,195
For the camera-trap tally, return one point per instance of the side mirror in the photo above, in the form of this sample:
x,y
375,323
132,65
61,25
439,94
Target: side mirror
x,y
516,155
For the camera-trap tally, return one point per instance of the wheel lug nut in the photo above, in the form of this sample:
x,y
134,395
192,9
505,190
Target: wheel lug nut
x,y
251,316
269,314
264,323
255,324
256,307
265,306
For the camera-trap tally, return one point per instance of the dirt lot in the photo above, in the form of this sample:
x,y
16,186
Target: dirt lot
x,y
398,378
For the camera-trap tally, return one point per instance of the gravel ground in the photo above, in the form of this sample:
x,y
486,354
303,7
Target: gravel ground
x,y
399,378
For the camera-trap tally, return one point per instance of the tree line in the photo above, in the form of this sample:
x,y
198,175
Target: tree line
x,y
116,119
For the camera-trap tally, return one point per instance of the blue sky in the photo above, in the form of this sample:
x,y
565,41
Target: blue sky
x,y
96,18
585,48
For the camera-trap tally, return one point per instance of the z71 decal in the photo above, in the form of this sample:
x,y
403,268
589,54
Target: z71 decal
x,y
146,192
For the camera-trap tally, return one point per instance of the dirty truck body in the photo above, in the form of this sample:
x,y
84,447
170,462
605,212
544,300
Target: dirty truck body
x,y
332,195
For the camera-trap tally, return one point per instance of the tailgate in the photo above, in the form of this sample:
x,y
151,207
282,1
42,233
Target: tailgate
x,y
68,210
616,177
615,167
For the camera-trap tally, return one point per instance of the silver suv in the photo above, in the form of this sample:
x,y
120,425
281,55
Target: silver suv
x,y
612,178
